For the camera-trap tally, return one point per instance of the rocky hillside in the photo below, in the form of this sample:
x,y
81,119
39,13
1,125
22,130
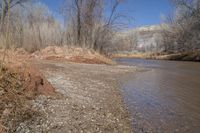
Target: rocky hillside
x,y
144,38
148,35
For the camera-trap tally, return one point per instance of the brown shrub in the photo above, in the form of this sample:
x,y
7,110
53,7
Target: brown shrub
x,y
14,104
20,82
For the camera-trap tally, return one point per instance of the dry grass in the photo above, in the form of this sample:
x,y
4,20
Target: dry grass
x,y
73,54
20,83
15,106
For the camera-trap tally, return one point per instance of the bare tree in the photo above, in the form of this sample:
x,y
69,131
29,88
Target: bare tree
x,y
133,40
31,26
6,5
89,24
182,34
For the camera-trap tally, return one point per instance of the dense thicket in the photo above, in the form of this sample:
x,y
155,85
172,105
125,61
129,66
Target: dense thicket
x,y
91,23
88,24
28,25
183,32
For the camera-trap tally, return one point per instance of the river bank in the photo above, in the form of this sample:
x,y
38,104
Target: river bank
x,y
86,98
185,56
90,101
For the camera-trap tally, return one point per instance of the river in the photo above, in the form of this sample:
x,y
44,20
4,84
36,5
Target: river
x,y
164,97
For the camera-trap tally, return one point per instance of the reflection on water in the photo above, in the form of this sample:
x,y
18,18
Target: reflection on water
x,y
165,98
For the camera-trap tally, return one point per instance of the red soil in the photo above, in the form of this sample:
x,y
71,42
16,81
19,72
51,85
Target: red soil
x,y
32,79
34,82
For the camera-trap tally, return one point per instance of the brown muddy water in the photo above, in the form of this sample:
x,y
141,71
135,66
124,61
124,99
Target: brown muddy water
x,y
164,97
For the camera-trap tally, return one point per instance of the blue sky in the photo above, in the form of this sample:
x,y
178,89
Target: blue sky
x,y
144,12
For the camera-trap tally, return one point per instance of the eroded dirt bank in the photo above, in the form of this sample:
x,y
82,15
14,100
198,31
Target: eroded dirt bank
x,y
90,101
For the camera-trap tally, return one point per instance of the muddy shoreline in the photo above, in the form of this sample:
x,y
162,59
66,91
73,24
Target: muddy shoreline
x,y
91,100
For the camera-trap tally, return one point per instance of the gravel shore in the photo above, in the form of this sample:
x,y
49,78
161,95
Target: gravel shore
x,y
90,99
